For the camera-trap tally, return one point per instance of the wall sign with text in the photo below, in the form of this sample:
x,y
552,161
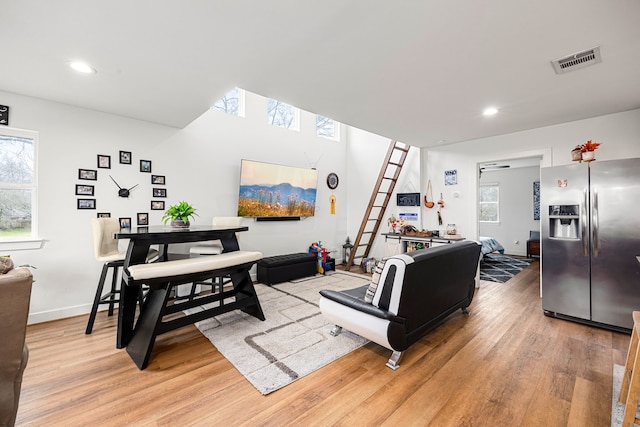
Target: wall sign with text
x,y
451,177
4,115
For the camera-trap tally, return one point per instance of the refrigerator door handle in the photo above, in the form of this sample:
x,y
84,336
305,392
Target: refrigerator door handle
x,y
583,221
594,223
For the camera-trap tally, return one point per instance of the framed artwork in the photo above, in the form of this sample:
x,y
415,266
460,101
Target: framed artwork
x,y
84,190
89,174
125,222
86,203
145,166
104,215
536,200
104,161
125,157
157,205
143,219
408,199
159,192
4,115
158,179
451,177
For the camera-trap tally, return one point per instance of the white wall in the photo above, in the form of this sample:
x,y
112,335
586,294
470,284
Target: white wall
x,y
201,164
516,208
618,133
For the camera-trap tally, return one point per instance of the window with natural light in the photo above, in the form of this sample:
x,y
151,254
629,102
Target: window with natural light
x,y
283,115
232,103
327,128
489,202
17,184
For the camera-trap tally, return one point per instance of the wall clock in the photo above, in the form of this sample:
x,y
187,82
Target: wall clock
x,y
332,181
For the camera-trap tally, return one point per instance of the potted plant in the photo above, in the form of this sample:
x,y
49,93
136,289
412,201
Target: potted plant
x,y
588,150
179,214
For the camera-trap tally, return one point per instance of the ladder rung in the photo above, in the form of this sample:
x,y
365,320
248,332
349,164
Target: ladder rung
x,y
395,164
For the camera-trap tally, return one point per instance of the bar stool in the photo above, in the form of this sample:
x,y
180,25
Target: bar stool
x,y
105,248
630,389
214,247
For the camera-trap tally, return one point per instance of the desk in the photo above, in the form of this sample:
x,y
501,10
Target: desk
x,y
140,239
407,242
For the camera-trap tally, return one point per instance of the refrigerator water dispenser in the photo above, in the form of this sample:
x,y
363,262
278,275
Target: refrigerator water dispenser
x,y
564,221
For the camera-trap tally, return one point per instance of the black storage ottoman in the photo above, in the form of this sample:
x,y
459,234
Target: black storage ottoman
x,y
282,268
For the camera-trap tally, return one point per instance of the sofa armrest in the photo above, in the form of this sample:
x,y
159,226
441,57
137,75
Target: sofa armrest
x,y
354,298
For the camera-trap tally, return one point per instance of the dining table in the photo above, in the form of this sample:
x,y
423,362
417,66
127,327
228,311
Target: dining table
x,y
140,241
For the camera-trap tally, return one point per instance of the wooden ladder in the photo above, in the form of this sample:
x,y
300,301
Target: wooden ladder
x,y
380,197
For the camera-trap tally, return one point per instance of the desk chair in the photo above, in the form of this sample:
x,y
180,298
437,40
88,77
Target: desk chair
x,y
214,247
105,248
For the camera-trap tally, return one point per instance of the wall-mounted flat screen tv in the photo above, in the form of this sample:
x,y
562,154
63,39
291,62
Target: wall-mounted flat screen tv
x,y
276,191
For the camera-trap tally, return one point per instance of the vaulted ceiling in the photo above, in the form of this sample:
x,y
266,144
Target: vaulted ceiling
x,y
417,71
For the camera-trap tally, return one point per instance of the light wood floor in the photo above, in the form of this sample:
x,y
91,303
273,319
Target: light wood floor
x,y
506,364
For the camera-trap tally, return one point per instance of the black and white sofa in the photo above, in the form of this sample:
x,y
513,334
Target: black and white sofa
x,y
409,295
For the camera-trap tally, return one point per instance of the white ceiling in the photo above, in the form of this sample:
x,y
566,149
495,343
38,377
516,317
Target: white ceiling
x,y
417,71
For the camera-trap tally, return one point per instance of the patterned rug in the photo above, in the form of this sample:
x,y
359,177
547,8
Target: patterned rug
x,y
294,339
617,408
501,268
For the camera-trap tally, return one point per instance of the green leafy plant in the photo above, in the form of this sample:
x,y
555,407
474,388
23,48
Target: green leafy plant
x,y
182,210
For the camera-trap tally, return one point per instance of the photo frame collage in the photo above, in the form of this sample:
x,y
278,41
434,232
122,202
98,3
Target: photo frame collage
x,y
86,190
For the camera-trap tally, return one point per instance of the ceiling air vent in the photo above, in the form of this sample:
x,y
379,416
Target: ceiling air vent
x,y
577,60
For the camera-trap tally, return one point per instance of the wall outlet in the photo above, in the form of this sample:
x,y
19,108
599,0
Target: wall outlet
x,y
517,242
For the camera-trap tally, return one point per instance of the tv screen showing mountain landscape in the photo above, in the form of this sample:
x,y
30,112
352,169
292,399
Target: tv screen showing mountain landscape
x,y
268,189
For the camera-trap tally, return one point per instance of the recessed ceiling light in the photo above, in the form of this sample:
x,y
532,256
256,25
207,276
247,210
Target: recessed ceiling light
x,y
82,67
490,111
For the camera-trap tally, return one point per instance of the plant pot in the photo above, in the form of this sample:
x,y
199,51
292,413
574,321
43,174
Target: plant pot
x,y
178,223
589,155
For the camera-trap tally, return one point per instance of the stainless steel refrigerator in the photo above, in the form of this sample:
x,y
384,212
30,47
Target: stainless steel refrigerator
x,y
590,223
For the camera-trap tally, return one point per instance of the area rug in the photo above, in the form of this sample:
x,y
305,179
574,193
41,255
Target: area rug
x,y
501,268
617,408
294,339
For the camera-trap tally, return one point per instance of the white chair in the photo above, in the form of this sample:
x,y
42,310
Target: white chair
x,y
105,248
214,247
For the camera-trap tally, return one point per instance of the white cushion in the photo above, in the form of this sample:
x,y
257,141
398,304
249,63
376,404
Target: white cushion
x,y
215,248
192,265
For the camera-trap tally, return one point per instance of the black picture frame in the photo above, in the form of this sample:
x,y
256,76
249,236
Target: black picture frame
x,y
125,222
157,205
125,157
103,215
86,203
4,115
158,179
143,218
408,199
104,161
159,192
84,190
145,166
88,174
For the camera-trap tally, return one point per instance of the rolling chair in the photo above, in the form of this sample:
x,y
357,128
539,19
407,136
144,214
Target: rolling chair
x,y
105,248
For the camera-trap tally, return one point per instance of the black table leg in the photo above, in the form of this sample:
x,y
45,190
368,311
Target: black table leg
x,y
144,336
126,313
243,286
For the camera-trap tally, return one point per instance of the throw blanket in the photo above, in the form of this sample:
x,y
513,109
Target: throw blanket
x,y
489,244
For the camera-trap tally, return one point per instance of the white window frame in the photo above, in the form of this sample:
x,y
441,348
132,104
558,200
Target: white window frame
x,y
241,103
497,203
295,123
336,129
31,241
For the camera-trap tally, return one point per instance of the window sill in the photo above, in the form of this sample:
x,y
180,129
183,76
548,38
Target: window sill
x,y
20,244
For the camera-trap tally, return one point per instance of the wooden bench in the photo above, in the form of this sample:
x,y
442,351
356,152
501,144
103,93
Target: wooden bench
x,y
162,276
